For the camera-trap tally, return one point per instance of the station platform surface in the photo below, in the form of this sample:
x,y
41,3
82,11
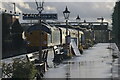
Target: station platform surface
x,y
96,62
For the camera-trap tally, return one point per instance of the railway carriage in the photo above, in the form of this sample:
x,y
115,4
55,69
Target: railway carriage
x,y
62,35
55,36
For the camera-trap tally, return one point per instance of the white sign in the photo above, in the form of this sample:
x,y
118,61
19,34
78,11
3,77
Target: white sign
x,y
74,46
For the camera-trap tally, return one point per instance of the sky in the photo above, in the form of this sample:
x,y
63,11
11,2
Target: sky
x,y
88,10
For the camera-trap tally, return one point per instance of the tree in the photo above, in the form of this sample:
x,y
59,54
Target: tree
x,y
116,23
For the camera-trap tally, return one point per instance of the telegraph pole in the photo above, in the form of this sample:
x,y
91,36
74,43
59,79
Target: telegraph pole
x,y
40,9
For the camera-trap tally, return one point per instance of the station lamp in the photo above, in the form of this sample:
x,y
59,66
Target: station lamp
x,y
84,21
66,13
78,19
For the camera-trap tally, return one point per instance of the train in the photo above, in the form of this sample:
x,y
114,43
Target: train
x,y
57,36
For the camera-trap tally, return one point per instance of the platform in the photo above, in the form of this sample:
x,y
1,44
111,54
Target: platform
x,y
96,62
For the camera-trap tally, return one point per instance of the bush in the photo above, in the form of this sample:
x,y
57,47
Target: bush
x,y
22,69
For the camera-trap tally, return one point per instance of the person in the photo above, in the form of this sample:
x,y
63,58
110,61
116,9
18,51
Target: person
x,y
81,49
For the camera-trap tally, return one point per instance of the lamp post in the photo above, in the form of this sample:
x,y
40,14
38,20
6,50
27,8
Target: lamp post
x,y
66,16
78,21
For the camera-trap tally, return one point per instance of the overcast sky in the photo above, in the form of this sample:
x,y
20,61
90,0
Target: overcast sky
x,y
89,11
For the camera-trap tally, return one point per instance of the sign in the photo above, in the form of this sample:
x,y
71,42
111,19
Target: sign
x,y
38,16
74,46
